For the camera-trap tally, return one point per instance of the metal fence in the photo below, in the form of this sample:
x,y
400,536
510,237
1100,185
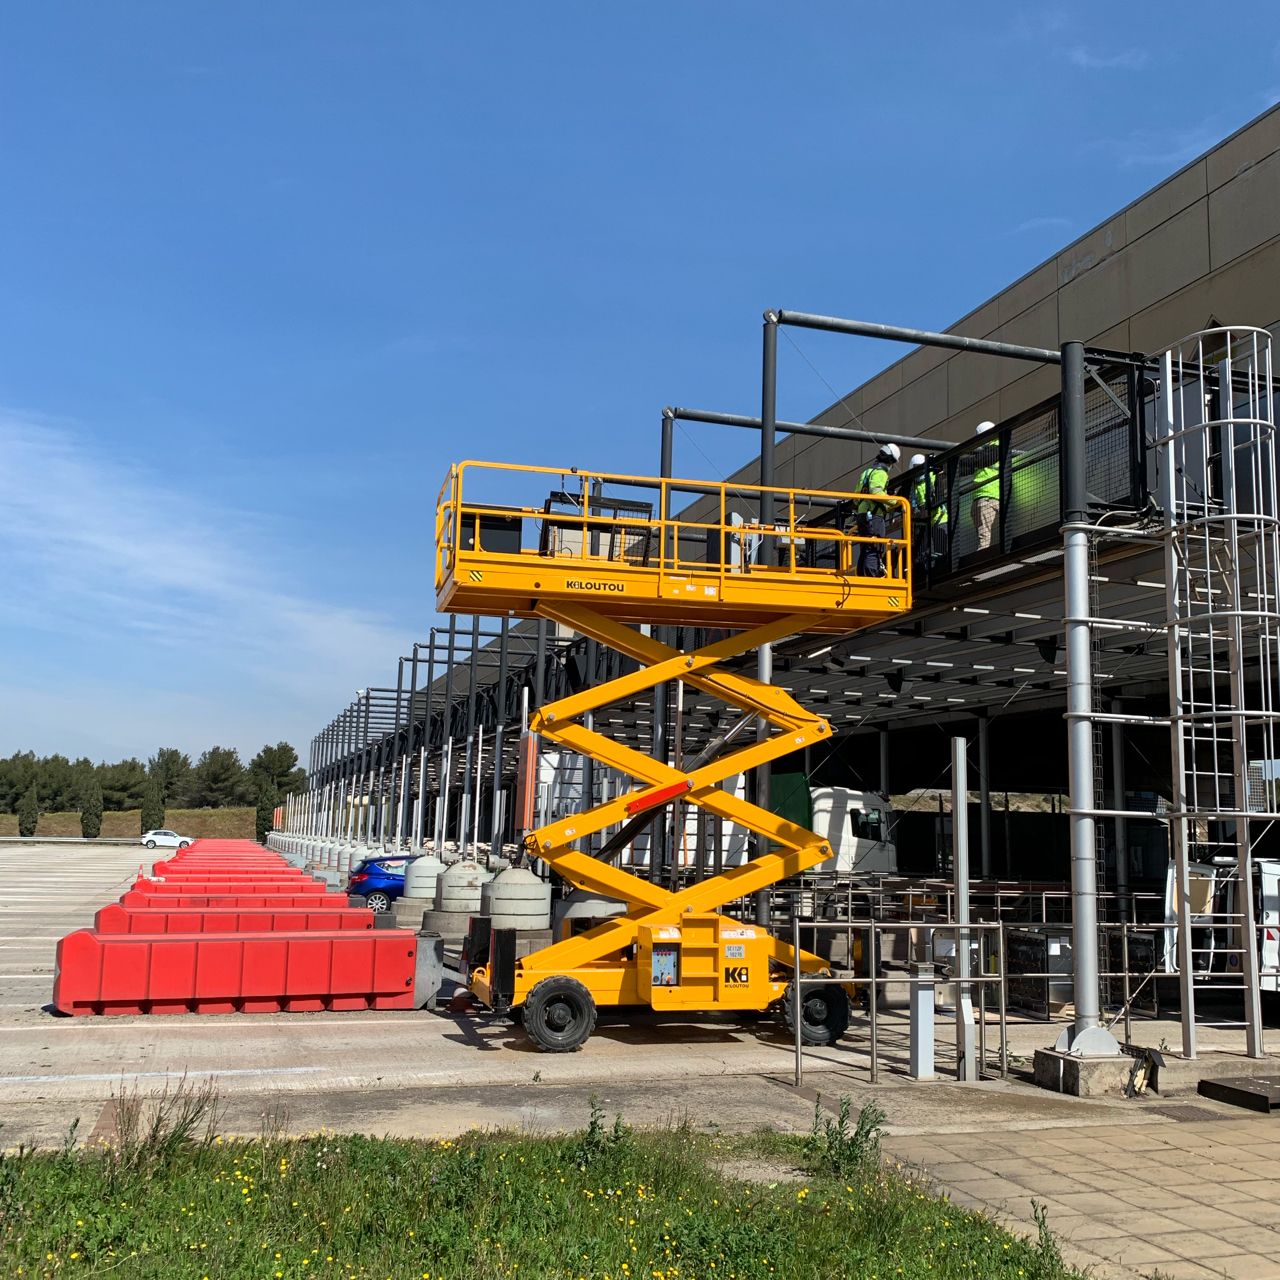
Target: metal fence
x,y
1000,493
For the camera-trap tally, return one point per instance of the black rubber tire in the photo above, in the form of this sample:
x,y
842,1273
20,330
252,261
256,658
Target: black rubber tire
x,y
151,844
559,1015
183,844
826,1014
377,901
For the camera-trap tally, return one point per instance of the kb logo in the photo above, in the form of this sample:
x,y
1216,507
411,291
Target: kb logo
x,y
736,975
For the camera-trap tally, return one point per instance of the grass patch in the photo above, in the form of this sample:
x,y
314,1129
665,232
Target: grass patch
x,y
169,1199
225,824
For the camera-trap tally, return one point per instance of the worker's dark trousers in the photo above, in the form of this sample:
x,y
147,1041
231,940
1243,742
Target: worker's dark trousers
x,y
871,554
928,543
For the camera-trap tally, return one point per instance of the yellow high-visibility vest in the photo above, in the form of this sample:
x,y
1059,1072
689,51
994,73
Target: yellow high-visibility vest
x,y
875,479
986,481
920,501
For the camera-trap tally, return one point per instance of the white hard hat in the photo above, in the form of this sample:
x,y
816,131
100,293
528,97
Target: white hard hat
x,y
988,425
890,451
917,459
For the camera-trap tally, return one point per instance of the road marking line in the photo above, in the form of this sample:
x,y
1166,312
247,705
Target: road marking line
x,y
161,1075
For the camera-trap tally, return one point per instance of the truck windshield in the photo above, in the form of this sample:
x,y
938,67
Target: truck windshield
x,y
865,825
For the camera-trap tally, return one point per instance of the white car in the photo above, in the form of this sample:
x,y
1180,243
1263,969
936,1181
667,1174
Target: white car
x,y
165,840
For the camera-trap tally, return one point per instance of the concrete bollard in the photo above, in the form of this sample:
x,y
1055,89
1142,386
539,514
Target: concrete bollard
x,y
921,1067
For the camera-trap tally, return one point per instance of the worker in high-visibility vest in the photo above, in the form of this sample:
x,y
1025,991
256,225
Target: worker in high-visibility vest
x,y
872,516
928,515
986,487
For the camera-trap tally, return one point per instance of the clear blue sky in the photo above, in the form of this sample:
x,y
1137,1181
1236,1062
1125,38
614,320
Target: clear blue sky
x,y
265,269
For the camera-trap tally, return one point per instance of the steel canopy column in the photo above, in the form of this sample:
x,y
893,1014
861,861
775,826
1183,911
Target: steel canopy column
x,y
496,820
966,1060
406,785
1087,1036
764,658
539,697
658,843
467,820
396,769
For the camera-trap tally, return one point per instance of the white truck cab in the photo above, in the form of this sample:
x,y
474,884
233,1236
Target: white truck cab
x,y
1215,939
857,825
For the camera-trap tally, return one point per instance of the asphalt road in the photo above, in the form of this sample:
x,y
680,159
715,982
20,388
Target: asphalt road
x,y
416,1072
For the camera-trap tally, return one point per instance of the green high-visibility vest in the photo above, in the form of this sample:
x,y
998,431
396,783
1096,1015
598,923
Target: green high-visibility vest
x,y
920,501
986,480
875,479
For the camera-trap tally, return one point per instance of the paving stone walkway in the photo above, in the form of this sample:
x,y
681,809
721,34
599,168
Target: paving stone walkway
x,y
1194,1200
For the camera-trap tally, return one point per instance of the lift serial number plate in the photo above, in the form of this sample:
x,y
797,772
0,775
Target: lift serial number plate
x,y
735,951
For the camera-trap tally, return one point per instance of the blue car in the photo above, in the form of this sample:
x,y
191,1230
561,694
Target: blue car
x,y
381,880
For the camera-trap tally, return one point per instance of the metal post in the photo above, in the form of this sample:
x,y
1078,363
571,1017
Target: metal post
x,y
475,824
405,829
1119,803
495,819
1248,935
1087,1036
464,831
539,697
426,739
444,797
420,807
396,770
984,795
966,1066
921,1042
676,811
1002,989
798,997
873,1001
768,546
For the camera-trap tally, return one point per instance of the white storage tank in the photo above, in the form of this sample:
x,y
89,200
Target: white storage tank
x,y
458,888
517,899
421,877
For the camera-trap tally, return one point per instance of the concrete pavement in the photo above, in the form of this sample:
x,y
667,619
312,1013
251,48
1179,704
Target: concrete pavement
x,y
1129,1185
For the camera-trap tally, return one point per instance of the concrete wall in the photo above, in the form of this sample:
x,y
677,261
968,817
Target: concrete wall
x,y
1204,243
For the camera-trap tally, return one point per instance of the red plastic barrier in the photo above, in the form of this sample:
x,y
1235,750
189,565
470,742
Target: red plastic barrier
x,y
240,884
184,875
235,973
309,901
117,918
223,866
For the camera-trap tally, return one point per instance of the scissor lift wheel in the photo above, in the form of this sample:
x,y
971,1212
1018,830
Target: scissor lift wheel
x,y
559,1014
824,1013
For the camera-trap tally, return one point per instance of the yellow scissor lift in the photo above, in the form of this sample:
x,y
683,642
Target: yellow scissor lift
x,y
601,555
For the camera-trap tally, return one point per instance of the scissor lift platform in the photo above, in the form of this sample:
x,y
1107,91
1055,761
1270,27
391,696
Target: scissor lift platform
x,y
609,541
604,552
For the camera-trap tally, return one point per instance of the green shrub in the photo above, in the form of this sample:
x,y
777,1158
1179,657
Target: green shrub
x,y
152,813
91,811
28,812
268,798
835,1149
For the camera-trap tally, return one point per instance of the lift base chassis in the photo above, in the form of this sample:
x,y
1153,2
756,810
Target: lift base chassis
x,y
702,963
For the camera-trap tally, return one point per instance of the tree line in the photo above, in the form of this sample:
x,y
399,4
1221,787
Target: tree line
x,y
31,785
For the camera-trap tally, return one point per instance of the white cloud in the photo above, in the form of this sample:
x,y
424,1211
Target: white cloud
x,y
1163,148
106,556
1048,223
1124,60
